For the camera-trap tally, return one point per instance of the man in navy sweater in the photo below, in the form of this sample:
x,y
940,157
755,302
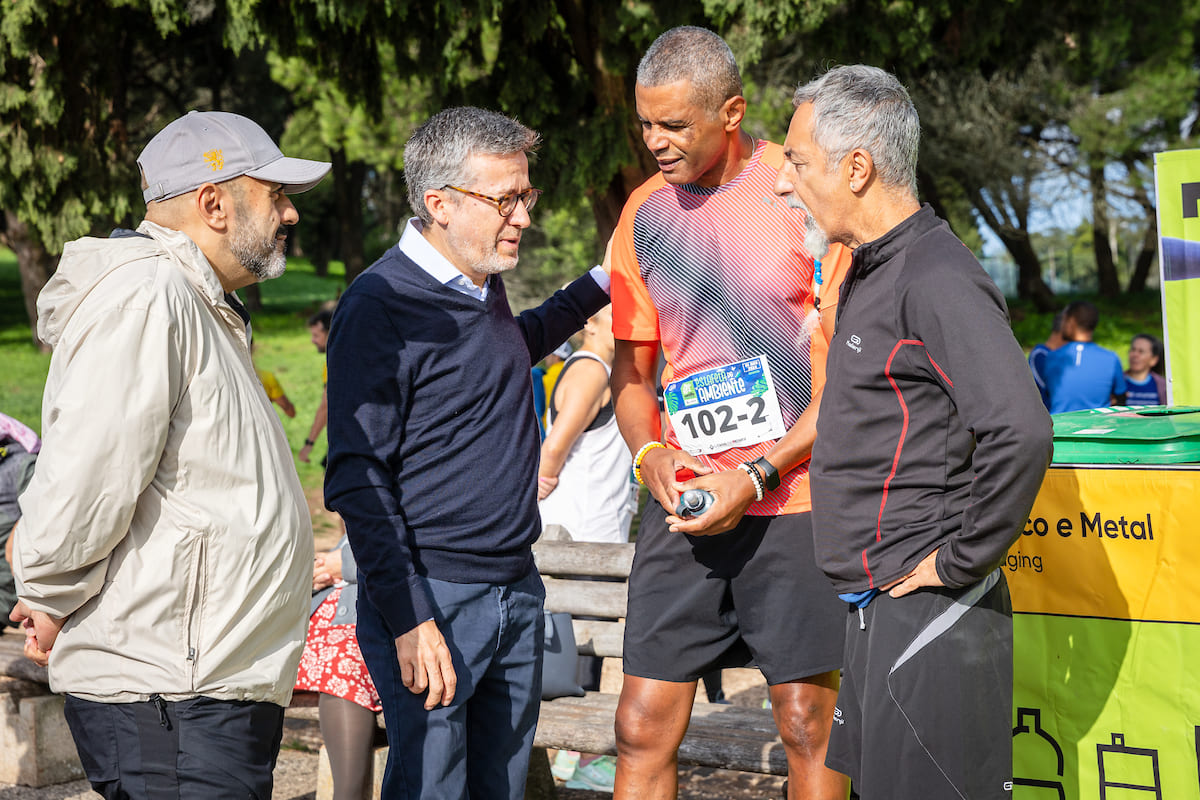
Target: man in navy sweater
x,y
433,451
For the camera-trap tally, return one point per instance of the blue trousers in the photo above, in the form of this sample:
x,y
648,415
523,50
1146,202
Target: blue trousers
x,y
476,748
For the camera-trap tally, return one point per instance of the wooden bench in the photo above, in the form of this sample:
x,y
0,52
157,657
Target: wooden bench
x,y
719,736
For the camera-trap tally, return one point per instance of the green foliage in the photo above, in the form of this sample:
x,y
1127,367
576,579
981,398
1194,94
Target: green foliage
x,y
84,84
559,247
327,118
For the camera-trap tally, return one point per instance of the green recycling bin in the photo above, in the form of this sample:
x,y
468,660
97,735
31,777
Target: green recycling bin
x,y
1106,612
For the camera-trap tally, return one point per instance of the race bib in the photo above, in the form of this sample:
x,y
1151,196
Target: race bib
x,y
731,406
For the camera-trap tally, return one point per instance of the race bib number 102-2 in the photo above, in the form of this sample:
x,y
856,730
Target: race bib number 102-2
x,y
730,406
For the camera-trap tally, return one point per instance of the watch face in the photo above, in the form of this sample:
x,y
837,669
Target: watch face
x,y
769,473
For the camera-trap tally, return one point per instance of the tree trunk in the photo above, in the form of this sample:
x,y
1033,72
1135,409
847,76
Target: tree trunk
x,y
1145,256
611,91
35,264
348,180
1030,285
1106,270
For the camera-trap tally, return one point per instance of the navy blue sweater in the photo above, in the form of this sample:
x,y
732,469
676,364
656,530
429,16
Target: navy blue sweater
x,y
433,442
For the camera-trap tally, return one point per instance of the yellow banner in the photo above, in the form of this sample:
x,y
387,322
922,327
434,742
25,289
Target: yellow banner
x,y
1111,543
1105,640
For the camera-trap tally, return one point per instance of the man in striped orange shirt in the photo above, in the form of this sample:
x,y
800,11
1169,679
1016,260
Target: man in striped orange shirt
x,y
710,266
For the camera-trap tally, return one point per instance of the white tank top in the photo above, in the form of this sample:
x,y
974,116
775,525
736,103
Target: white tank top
x,y
595,498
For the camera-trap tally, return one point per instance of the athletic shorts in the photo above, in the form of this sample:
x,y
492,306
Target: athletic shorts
x,y
925,707
750,597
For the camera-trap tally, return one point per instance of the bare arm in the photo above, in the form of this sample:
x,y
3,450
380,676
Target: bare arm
x,y
580,393
318,425
636,404
286,405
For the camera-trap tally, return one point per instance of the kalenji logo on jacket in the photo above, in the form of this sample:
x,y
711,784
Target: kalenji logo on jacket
x,y
854,343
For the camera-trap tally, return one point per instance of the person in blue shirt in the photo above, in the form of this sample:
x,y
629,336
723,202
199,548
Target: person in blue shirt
x,y
1037,356
1144,379
1082,374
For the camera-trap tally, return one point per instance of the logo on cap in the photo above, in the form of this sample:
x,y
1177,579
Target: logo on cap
x,y
215,159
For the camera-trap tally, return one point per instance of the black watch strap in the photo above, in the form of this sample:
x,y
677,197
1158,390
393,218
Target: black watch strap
x,y
769,473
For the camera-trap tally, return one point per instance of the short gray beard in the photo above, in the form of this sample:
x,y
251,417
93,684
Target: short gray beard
x,y
488,264
262,258
815,240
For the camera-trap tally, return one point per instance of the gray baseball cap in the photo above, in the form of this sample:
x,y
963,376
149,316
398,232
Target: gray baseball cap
x,y
215,146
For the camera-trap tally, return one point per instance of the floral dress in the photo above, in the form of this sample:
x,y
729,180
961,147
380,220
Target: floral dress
x,y
332,663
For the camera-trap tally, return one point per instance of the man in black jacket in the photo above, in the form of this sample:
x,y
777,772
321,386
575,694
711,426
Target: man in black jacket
x,y
926,463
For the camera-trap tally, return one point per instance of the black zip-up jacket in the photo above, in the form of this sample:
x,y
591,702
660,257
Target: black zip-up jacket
x,y
932,433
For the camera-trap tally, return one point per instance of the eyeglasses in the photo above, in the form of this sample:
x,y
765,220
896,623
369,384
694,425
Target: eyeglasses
x,y
505,204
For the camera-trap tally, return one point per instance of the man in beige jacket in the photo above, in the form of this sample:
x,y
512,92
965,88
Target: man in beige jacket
x,y
164,556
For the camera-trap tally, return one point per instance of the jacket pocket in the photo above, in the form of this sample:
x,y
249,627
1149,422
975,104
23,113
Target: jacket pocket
x,y
197,581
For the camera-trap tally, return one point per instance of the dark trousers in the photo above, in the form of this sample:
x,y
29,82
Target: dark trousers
x,y
198,748
478,746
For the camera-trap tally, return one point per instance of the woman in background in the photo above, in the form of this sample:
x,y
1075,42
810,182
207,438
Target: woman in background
x,y
1144,381
583,476
333,666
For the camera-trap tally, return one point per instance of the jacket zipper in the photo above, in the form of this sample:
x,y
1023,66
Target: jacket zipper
x,y
193,607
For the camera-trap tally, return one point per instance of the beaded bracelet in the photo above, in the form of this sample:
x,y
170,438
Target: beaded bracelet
x,y
637,459
755,478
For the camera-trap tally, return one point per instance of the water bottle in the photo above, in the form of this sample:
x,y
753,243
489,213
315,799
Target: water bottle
x,y
693,503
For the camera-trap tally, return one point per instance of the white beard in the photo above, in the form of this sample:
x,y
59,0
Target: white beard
x,y
815,240
261,257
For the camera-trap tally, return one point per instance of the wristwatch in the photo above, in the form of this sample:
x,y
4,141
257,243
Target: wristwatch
x,y
310,443
769,473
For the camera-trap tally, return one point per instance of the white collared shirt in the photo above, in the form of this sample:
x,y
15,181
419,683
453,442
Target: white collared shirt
x,y
417,247
427,257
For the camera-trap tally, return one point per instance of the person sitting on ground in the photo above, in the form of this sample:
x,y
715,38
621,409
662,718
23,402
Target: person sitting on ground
x,y
333,665
1081,374
1037,356
1144,381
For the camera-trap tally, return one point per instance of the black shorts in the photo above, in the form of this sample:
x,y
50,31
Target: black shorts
x,y
752,596
925,707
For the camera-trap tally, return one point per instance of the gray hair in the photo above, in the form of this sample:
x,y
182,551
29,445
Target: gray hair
x,y
438,153
865,107
688,53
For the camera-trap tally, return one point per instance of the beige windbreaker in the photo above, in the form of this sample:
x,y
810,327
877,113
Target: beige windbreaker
x,y
165,518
